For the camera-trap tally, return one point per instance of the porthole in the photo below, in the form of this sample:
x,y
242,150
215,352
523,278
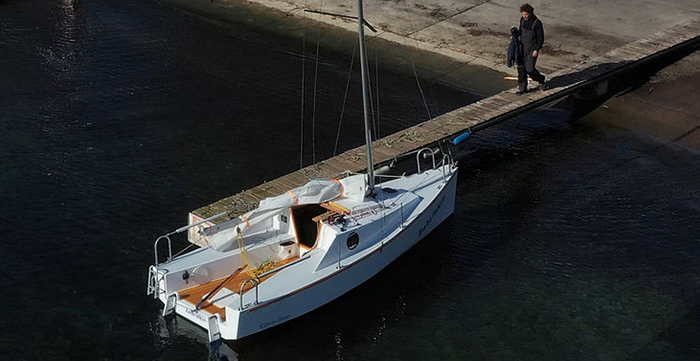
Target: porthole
x,y
353,241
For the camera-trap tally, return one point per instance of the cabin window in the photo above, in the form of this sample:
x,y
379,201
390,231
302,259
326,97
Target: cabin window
x,y
353,241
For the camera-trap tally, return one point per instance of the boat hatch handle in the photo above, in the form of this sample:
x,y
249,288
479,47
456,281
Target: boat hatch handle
x,y
432,153
255,281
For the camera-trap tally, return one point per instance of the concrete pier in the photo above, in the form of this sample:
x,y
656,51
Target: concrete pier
x,y
476,32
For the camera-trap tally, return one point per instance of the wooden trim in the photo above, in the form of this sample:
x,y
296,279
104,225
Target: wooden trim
x,y
324,216
233,282
332,206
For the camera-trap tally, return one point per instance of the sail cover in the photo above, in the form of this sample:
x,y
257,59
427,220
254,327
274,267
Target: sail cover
x,y
355,187
220,237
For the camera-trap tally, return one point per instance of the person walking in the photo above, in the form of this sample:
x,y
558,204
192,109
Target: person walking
x,y
532,38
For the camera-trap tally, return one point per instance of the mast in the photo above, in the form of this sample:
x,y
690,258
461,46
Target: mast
x,y
365,98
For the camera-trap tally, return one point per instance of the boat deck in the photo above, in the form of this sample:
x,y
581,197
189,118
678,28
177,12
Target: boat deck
x,y
195,294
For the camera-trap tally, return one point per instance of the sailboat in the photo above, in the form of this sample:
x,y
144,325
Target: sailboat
x,y
305,248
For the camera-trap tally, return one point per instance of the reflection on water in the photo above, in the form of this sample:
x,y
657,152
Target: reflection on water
x,y
569,239
68,24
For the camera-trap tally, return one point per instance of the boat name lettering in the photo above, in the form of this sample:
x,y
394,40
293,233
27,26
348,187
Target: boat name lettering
x,y
432,216
196,315
268,324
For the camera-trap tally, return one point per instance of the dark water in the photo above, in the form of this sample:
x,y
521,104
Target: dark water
x,y
570,240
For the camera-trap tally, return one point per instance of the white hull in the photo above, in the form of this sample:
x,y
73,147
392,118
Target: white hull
x,y
348,276
327,271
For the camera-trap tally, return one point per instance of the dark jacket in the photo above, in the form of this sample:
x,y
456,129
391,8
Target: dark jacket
x,y
531,34
515,49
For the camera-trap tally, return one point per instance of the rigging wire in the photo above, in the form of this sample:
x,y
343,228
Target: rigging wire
x,y
303,92
375,119
420,87
345,98
371,98
413,66
376,71
415,74
313,112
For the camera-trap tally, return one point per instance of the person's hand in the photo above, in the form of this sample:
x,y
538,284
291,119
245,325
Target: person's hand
x,y
534,54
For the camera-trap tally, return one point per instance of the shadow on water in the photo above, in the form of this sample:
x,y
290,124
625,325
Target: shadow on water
x,y
624,80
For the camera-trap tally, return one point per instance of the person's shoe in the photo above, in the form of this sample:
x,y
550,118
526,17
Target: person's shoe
x,y
521,92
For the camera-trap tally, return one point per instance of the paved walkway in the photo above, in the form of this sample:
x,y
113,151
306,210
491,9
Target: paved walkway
x,y
476,32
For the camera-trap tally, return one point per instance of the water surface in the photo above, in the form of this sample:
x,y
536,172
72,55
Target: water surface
x,y
570,240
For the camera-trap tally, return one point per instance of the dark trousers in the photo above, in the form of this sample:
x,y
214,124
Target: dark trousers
x,y
528,69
